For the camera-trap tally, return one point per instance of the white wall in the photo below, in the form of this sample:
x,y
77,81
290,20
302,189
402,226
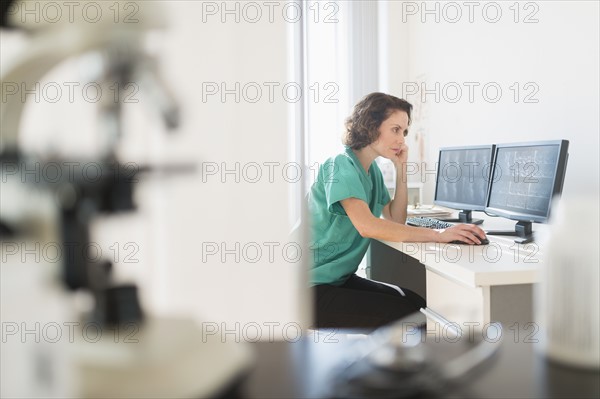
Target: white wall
x,y
222,210
557,55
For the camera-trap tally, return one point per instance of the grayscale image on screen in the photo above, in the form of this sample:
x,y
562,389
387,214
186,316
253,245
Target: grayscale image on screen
x,y
463,176
523,179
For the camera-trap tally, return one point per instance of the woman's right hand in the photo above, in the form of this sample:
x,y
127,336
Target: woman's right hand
x,y
467,233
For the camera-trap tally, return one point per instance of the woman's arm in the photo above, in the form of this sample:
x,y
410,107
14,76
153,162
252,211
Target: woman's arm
x,y
396,209
371,227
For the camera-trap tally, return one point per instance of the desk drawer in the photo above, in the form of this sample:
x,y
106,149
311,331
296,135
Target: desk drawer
x,y
456,302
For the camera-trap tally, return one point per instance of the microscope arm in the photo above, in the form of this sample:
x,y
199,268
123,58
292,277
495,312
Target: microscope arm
x,y
51,44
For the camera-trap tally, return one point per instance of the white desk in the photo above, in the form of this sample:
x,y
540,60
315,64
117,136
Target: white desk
x,y
479,284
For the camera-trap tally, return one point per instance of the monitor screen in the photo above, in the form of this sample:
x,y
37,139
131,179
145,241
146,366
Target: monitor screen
x,y
525,178
463,176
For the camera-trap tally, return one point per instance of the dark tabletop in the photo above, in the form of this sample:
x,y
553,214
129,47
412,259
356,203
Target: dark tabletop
x,y
308,368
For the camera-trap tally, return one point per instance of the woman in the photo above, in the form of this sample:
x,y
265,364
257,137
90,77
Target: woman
x,y
346,202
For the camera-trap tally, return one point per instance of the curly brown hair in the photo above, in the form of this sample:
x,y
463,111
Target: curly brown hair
x,y
362,127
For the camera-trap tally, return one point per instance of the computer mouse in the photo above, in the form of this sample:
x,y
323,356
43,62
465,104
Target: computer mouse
x,y
484,241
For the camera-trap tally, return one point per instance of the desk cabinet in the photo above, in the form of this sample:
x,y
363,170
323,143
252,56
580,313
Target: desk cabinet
x,y
511,305
457,302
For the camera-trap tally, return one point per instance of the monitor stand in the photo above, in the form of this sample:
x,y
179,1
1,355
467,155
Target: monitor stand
x,y
463,217
522,230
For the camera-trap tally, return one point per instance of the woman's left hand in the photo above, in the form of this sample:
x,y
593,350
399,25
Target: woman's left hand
x,y
401,156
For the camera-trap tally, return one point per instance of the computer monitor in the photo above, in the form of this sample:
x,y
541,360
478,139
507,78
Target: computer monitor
x,y
526,176
462,181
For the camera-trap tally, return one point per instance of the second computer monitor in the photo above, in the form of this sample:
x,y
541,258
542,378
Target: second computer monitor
x,y
526,177
463,177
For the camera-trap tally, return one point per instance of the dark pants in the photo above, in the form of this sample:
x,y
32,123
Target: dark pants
x,y
362,303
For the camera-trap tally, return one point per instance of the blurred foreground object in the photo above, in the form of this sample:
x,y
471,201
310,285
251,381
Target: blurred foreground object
x,y
49,349
402,360
569,294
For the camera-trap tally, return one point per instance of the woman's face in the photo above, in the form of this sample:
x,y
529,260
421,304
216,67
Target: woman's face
x,y
391,135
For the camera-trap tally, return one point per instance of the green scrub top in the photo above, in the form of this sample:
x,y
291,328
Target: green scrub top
x,y
336,247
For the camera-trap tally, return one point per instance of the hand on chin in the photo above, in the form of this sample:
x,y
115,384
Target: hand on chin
x,y
398,158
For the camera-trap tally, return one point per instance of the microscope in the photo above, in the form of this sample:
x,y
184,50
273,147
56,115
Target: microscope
x,y
169,357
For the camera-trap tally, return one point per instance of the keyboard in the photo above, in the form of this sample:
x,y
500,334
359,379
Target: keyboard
x,y
429,223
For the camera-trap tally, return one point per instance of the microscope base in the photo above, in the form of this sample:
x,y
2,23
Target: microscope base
x,y
171,358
